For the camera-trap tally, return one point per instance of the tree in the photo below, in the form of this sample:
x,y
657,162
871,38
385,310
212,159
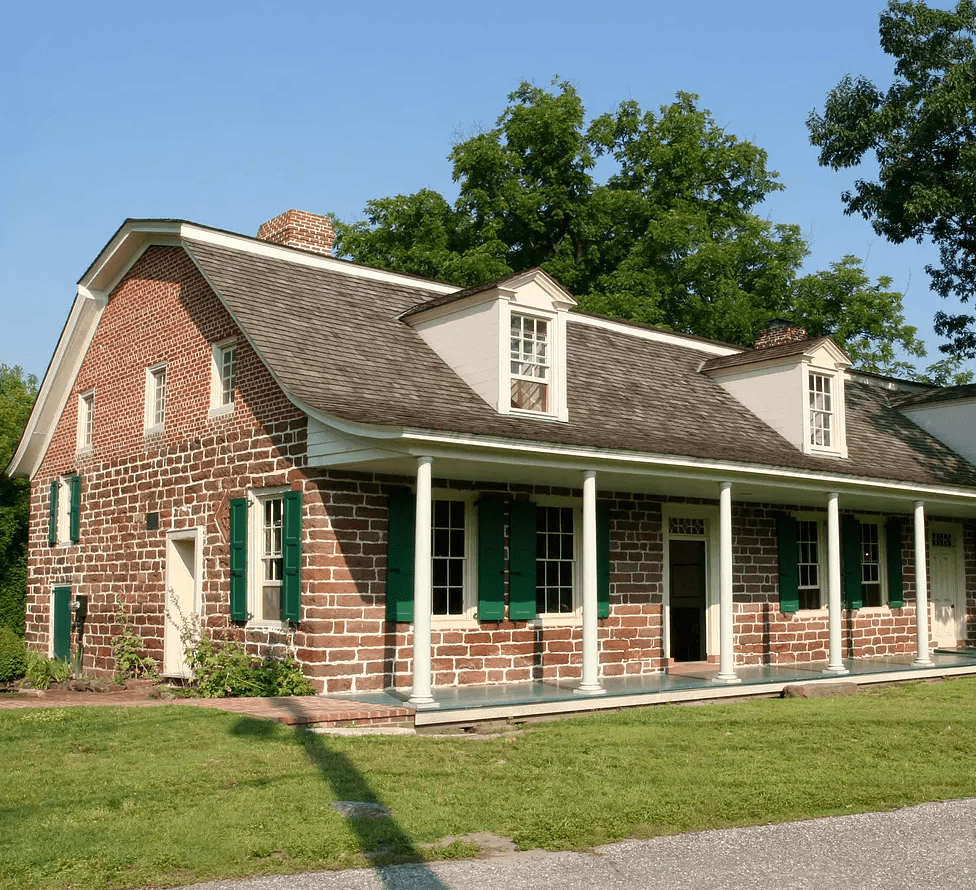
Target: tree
x,y
670,238
922,131
17,392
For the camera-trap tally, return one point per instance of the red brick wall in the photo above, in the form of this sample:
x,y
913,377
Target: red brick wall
x,y
162,311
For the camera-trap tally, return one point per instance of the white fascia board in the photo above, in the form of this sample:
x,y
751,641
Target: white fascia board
x,y
675,465
609,324
121,253
57,384
319,261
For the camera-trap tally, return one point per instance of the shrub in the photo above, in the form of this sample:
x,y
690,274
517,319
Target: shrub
x,y
13,655
41,670
224,668
127,647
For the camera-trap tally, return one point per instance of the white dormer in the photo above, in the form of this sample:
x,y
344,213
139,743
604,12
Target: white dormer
x,y
797,388
506,340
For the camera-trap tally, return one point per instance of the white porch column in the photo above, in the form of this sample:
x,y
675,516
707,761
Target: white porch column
x,y
923,659
422,593
835,665
726,668
590,684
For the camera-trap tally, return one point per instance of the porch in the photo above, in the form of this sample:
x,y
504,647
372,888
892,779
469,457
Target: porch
x,y
692,683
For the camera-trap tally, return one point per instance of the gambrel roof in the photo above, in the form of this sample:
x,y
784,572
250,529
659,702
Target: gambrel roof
x,y
334,337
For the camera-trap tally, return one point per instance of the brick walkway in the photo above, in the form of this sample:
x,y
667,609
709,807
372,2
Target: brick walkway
x,y
299,710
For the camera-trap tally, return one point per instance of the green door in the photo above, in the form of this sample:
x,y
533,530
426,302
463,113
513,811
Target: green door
x,y
62,623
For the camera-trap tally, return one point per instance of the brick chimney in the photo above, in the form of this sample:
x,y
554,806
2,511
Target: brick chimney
x,y
779,331
296,228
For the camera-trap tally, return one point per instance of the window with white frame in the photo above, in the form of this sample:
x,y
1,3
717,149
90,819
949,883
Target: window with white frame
x,y
808,563
86,420
269,558
224,376
64,510
555,560
821,409
530,363
872,587
156,397
450,558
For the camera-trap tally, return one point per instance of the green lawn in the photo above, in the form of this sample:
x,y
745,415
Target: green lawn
x,y
125,797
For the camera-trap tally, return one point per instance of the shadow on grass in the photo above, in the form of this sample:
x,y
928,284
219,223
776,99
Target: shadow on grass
x,y
381,839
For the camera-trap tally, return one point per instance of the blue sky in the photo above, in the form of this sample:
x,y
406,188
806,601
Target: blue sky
x,y
227,114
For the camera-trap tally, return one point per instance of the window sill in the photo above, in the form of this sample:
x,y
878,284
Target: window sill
x,y
261,624
85,452
221,410
453,622
153,431
538,415
568,619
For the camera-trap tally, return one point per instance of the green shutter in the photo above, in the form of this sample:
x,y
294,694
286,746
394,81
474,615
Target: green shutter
x,y
62,623
400,555
238,559
491,560
896,598
850,530
291,556
522,551
75,515
52,520
789,557
602,560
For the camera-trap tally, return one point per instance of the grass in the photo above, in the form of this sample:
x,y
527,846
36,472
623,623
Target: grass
x,y
128,797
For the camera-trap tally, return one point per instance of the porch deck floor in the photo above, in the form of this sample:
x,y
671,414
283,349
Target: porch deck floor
x,y
460,703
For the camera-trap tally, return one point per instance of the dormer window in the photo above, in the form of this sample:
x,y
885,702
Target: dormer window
x,y
530,364
506,340
821,409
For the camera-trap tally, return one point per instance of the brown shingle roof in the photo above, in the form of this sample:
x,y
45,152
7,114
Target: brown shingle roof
x,y
335,343
949,394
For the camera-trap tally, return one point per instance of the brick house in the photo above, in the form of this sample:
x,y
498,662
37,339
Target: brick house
x,y
410,486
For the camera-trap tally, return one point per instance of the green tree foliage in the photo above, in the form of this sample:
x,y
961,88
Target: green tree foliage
x,y
922,131
17,392
672,237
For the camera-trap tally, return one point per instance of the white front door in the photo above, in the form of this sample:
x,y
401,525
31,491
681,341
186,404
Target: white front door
x,y
182,582
948,603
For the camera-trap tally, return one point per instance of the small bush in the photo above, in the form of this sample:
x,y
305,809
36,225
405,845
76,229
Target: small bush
x,y
224,668
42,671
127,647
13,655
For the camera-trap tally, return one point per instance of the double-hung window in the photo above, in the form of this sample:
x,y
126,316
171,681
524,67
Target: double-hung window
x,y
270,560
155,398
64,518
224,374
449,557
872,589
808,563
555,562
821,410
86,420
265,557
530,363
